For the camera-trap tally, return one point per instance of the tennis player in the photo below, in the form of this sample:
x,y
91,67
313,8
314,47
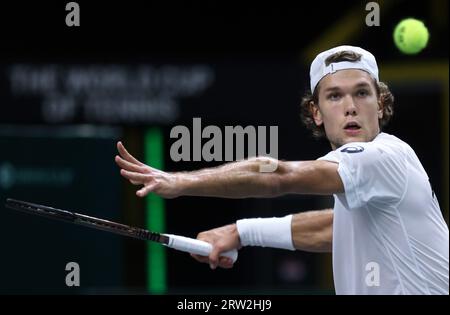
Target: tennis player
x,y
386,230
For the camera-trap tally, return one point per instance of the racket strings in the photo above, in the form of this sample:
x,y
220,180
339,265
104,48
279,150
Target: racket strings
x,y
42,210
85,220
127,230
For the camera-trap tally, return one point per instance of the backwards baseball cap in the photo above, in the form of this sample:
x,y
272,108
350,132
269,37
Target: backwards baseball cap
x,y
319,69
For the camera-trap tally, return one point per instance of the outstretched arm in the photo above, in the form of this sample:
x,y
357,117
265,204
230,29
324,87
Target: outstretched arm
x,y
311,231
240,179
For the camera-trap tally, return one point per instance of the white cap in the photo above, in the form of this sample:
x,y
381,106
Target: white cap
x,y
319,69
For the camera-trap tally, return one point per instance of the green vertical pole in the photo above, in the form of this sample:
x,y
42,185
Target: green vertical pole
x,y
155,216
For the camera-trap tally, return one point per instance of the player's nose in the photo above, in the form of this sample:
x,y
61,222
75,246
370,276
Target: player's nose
x,y
350,106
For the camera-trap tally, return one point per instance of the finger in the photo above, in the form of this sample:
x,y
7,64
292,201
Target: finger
x,y
131,159
129,166
202,259
134,182
214,258
141,178
145,190
225,262
127,156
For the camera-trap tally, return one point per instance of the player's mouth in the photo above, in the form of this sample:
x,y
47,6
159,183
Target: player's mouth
x,y
352,128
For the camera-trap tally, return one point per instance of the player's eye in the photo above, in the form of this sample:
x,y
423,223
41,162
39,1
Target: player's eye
x,y
333,96
363,93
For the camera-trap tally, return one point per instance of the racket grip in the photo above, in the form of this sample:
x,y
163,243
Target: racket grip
x,y
194,246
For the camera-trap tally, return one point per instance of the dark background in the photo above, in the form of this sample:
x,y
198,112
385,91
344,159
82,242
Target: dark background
x,y
258,55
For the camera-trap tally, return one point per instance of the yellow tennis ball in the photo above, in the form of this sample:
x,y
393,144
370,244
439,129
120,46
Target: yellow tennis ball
x,y
411,36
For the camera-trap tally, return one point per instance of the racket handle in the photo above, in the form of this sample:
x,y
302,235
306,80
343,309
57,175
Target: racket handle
x,y
194,246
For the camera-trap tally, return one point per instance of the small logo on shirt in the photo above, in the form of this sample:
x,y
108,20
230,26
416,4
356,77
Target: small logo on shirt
x,y
356,149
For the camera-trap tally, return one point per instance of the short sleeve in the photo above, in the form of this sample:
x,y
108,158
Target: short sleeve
x,y
370,173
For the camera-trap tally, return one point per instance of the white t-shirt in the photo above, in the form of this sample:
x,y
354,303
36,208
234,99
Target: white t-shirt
x,y
389,235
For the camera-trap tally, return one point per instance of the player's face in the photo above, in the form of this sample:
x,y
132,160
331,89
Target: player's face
x,y
348,107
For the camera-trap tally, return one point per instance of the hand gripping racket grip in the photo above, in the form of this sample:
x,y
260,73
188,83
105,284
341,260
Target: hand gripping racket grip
x,y
197,247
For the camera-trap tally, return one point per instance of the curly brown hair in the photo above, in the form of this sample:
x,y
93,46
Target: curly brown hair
x,y
310,99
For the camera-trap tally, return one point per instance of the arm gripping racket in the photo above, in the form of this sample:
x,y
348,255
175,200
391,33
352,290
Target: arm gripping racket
x,y
181,243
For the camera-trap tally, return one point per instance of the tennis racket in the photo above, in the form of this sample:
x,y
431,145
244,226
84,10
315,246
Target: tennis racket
x,y
181,243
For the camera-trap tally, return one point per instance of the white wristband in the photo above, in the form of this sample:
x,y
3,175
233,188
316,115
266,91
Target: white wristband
x,y
266,232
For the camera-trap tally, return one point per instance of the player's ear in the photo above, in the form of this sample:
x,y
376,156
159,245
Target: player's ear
x,y
315,111
380,109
